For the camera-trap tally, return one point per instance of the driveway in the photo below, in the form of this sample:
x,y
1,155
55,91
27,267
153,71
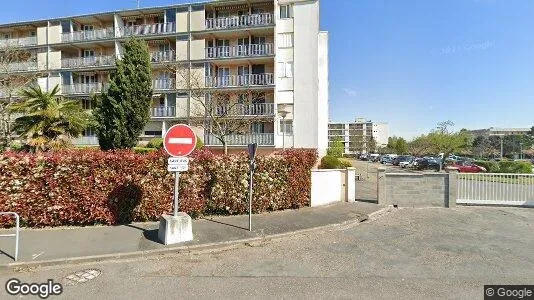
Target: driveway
x,y
408,254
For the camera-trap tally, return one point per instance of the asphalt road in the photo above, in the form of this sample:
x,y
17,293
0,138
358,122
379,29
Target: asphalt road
x,y
407,254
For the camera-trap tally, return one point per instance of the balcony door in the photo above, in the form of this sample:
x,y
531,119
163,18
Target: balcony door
x,y
242,46
88,79
223,76
257,127
88,57
223,48
243,73
88,31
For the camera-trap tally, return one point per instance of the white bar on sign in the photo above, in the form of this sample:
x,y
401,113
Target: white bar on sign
x,y
177,160
185,141
178,168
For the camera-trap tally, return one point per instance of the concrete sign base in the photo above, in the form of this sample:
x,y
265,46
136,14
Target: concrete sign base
x,y
173,230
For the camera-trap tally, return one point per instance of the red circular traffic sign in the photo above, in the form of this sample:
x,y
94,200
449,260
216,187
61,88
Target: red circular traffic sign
x,y
180,140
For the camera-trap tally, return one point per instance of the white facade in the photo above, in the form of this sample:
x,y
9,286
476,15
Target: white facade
x,y
357,135
272,47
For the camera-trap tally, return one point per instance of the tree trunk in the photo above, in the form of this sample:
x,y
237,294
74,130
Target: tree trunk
x,y
225,147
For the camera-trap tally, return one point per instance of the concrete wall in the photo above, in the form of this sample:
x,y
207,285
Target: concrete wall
x,y
322,101
416,189
331,186
198,20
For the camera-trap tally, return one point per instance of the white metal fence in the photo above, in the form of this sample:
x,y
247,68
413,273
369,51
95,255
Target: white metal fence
x,y
496,189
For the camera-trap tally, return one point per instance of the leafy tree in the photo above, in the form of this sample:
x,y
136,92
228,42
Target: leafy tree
x,y
398,144
444,140
123,110
484,146
337,148
371,145
420,146
47,121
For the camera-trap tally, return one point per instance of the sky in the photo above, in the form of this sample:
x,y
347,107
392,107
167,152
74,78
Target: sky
x,y
410,63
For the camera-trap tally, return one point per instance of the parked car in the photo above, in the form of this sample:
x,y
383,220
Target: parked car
x,y
427,164
407,162
386,160
465,167
402,158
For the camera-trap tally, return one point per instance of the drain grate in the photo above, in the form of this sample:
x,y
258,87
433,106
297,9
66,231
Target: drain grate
x,y
82,276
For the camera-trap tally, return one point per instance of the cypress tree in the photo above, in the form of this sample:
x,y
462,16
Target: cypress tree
x,y
123,110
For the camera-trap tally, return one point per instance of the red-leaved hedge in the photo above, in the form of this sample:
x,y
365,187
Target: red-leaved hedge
x,y
86,187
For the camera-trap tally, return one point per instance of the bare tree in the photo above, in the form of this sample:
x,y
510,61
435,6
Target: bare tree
x,y
13,77
222,114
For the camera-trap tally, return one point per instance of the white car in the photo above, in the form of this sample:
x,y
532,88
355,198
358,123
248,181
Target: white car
x,y
404,164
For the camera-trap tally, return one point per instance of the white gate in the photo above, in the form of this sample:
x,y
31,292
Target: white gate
x,y
496,189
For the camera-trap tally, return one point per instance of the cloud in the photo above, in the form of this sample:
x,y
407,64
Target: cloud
x,y
350,92
469,47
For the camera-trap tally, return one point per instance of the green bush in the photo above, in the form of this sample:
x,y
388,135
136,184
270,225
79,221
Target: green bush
x,y
200,144
332,162
490,166
156,143
515,167
143,150
506,166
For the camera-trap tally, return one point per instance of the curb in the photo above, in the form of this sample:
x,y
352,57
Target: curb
x,y
201,248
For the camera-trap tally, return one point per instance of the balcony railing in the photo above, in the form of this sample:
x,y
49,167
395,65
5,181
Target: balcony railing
x,y
149,29
23,66
240,51
19,42
163,84
163,111
85,62
257,109
85,141
88,35
240,80
262,139
163,56
263,19
83,88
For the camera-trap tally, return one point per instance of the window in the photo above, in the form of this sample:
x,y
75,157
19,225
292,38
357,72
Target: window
x,y
286,11
285,40
286,126
88,27
86,104
153,133
285,69
257,127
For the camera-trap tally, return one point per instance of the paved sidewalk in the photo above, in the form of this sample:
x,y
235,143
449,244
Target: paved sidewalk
x,y
62,245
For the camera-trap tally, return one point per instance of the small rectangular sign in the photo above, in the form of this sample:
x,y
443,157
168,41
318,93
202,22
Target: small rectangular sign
x,y
178,168
178,160
181,141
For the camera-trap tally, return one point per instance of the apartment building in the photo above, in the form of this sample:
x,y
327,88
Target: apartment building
x,y
357,136
501,131
274,48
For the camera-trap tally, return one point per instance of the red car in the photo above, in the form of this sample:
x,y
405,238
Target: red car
x,y
465,167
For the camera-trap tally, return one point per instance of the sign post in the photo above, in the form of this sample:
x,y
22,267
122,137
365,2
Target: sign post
x,y
179,142
252,155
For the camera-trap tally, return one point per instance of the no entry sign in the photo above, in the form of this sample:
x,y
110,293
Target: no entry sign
x,y
180,140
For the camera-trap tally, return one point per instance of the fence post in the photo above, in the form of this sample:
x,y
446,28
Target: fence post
x,y
452,193
381,186
350,185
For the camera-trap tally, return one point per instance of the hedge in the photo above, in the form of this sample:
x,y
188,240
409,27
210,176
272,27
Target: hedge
x,y
506,166
74,187
332,162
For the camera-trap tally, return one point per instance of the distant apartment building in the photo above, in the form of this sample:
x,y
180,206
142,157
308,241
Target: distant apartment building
x,y
272,47
359,135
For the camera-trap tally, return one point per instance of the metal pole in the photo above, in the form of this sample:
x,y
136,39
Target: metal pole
x,y
250,196
176,184
501,147
283,134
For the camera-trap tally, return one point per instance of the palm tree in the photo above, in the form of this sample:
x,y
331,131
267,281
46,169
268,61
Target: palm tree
x,y
48,121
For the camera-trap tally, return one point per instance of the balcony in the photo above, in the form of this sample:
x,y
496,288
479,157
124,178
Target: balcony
x,y
240,51
253,20
163,84
163,112
88,35
262,139
85,141
240,80
24,66
87,62
163,56
149,29
257,109
19,42
83,88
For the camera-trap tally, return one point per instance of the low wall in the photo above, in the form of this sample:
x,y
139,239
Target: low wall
x,y
416,189
333,185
